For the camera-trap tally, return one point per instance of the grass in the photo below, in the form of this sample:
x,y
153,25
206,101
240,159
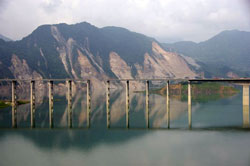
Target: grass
x,y
4,104
20,102
201,92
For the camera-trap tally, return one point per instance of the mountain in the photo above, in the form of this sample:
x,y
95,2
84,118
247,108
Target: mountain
x,y
226,52
88,52
5,38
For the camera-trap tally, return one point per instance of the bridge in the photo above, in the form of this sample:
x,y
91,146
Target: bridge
x,y
241,81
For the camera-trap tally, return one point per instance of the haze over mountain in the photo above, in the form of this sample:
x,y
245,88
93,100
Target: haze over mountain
x,y
85,51
5,38
225,54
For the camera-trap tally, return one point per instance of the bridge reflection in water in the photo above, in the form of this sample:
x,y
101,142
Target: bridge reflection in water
x,y
243,82
245,102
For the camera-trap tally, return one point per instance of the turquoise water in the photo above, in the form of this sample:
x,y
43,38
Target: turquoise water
x,y
217,136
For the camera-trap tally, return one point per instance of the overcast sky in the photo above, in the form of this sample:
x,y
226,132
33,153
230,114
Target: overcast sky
x,y
165,20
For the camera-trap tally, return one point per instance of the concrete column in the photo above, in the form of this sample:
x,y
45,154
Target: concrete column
x,y
32,104
51,104
168,104
14,104
245,105
245,116
189,105
88,103
127,104
245,92
147,104
108,102
69,98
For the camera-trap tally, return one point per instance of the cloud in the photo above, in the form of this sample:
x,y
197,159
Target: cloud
x,y
166,20
3,4
51,5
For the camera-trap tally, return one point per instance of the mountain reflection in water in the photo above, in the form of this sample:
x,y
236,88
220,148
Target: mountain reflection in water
x,y
207,112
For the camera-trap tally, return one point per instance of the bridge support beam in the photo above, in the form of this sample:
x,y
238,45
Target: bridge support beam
x,y
168,104
14,103
88,103
189,105
51,104
245,105
147,104
108,102
32,103
69,98
127,104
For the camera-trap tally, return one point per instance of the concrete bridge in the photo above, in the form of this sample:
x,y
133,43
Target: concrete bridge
x,y
242,81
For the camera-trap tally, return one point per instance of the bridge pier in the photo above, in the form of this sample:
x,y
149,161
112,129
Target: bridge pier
x,y
32,103
69,98
245,105
51,104
88,103
14,103
189,105
127,104
245,100
147,104
108,102
168,104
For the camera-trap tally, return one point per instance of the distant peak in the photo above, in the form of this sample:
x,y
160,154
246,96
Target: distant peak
x,y
116,28
64,24
83,23
233,31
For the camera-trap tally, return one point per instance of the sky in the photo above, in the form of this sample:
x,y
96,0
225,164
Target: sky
x,y
165,20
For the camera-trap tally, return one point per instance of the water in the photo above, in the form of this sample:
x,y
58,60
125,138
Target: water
x,y
217,136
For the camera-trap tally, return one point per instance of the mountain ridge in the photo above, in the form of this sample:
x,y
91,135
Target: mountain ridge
x,y
5,38
84,51
228,49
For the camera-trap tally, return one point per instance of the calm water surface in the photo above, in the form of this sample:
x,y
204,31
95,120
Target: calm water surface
x,y
217,137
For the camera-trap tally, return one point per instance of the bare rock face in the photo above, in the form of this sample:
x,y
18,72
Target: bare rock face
x,y
119,67
21,70
87,70
191,61
232,75
65,50
158,64
86,63
162,64
173,62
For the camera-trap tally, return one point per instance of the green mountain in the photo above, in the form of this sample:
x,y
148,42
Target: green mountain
x,y
85,51
226,52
